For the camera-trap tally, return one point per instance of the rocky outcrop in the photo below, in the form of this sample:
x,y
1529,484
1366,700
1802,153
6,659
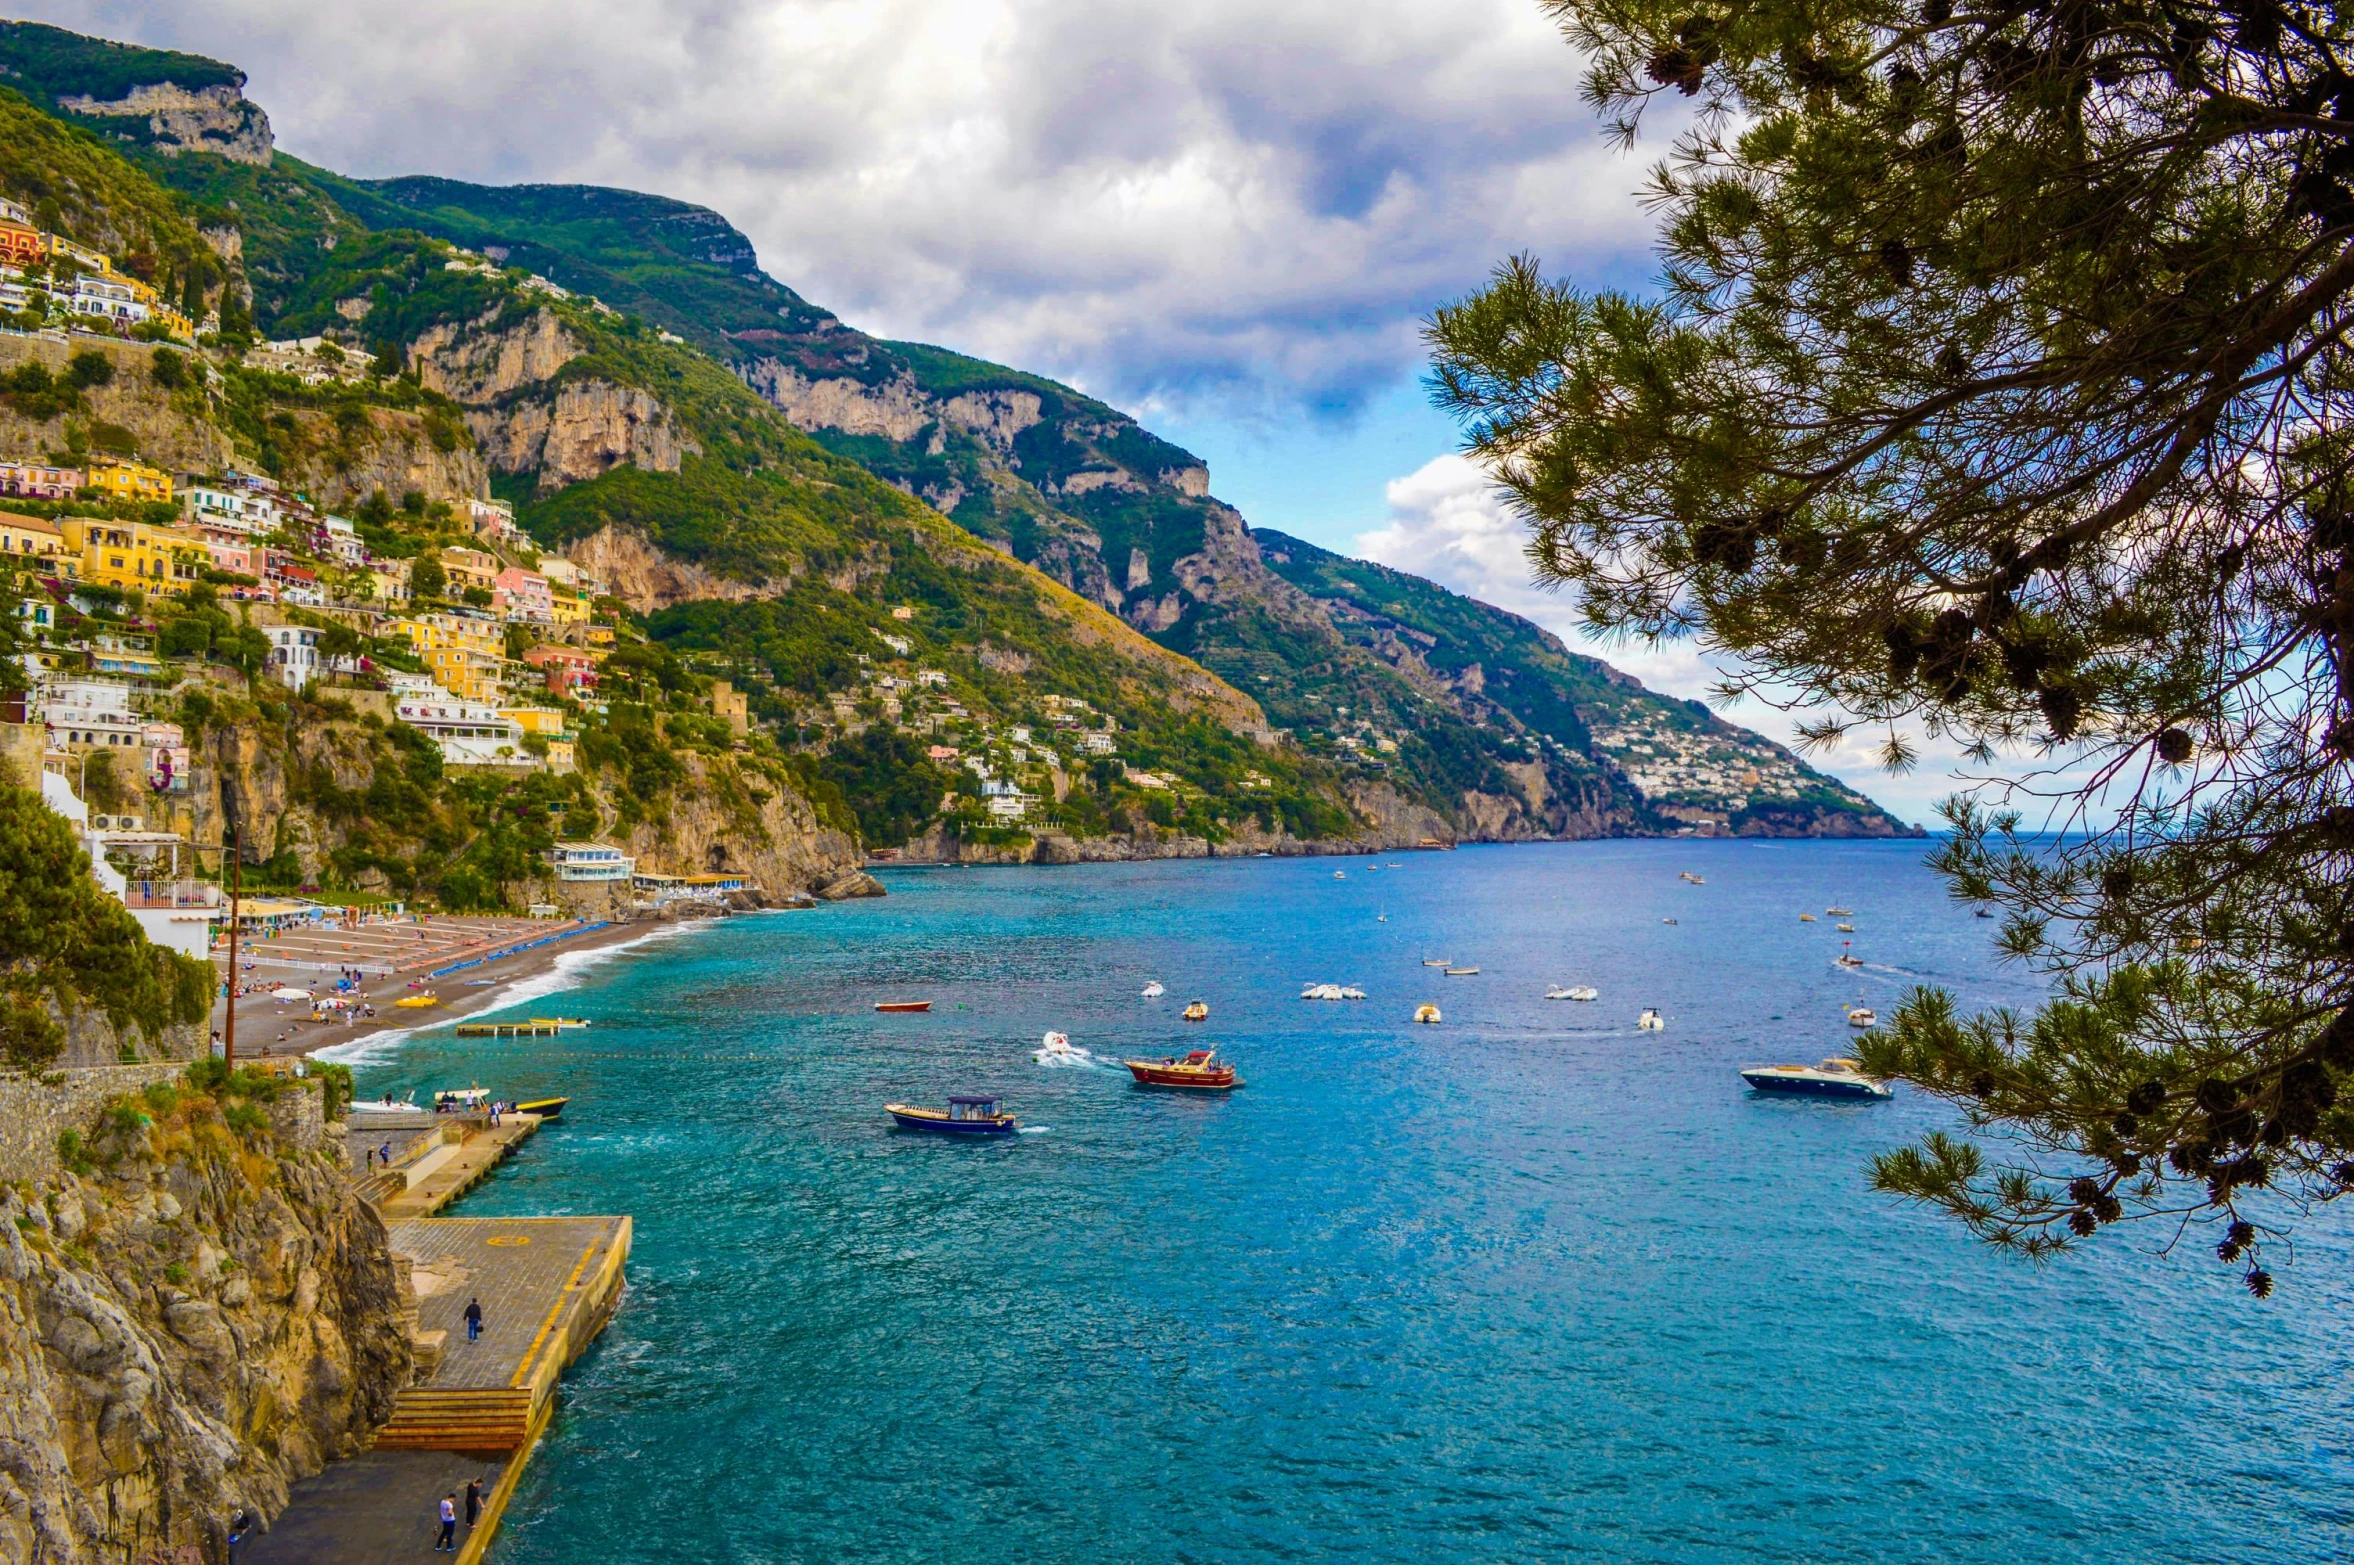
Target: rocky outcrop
x,y
645,578
218,119
341,464
1390,822
188,1326
474,365
172,430
897,409
589,428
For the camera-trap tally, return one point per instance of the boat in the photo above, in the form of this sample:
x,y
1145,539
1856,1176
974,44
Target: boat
x,y
1351,992
1687,875
1197,1011
1574,992
1667,920
1153,990
461,1100
1862,1016
416,1002
1848,958
1806,918
544,1108
1340,874
897,1006
1845,929
1200,1071
1839,912
1462,972
1381,918
1834,1078
1650,1021
1428,1015
971,1115
1982,913
1438,961
1056,1045
1393,866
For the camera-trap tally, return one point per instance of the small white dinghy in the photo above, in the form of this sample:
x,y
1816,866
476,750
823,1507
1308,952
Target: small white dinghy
x,y
1650,1021
1862,1016
1574,992
1153,990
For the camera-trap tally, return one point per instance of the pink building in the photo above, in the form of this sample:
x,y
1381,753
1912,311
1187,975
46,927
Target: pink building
x,y
522,594
35,481
567,668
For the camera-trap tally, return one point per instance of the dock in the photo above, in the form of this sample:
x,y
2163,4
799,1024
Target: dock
x,y
547,1286
530,1029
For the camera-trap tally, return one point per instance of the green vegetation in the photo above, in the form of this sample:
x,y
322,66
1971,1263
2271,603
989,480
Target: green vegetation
x,y
48,63
65,943
1999,384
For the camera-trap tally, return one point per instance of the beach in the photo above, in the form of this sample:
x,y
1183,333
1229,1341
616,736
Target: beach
x,y
498,961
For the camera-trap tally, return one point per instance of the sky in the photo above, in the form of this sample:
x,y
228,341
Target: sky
x,y
1228,217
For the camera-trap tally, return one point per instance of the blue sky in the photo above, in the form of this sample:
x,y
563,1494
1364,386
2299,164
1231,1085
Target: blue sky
x,y
1229,217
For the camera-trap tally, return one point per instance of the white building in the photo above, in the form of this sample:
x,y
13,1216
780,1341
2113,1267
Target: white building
x,y
343,540
591,861
294,654
469,733
239,510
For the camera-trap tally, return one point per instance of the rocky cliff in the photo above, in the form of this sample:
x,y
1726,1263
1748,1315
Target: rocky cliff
x,y
192,1319
176,119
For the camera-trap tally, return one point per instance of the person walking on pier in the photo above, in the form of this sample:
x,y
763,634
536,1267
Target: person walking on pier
x,y
473,1320
449,1525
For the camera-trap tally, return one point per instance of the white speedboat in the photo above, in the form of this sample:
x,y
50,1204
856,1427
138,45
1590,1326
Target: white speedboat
x,y
1574,992
1462,972
1340,874
1862,1016
1351,992
1153,990
1650,1021
1845,960
1834,1078
1438,961
1322,992
1845,929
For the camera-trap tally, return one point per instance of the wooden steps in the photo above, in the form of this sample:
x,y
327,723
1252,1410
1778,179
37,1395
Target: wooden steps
x,y
427,1419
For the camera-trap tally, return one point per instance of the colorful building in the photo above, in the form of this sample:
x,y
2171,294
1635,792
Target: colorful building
x,y
567,607
37,481
566,669
129,480
134,557
465,657
29,537
522,595
471,568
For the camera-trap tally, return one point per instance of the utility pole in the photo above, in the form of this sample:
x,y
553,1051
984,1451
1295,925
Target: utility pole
x,y
236,889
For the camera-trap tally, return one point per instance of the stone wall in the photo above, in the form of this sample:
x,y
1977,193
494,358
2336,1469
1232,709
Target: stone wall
x,y
34,1109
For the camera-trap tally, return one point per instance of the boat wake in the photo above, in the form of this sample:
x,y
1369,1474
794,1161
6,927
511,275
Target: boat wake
x,y
1056,1052
1033,1130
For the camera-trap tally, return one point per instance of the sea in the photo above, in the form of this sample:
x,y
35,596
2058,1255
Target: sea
x,y
1527,1284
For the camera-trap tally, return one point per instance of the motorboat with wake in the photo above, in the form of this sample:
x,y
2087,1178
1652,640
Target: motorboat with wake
x,y
1834,1078
966,1115
1199,1071
1574,992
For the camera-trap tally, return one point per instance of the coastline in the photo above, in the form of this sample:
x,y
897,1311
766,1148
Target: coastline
x,y
525,975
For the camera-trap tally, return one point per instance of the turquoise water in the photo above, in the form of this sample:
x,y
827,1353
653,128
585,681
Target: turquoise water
x,y
1529,1284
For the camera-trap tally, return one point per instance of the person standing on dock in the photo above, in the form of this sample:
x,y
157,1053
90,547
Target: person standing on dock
x,y
473,1320
473,1502
449,1525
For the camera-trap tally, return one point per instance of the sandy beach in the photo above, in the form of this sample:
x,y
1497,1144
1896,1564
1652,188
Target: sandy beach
x,y
495,974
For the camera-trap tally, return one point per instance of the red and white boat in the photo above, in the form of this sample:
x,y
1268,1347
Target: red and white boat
x,y
1199,1070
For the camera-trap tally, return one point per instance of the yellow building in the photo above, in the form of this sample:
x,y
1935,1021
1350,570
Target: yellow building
x,y
571,608
130,480
534,719
29,537
471,568
465,658
133,557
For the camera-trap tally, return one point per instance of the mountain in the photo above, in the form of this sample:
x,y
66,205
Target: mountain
x,y
613,354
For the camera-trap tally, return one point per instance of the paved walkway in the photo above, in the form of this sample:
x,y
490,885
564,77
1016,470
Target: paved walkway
x,y
448,1171
377,1508
527,1271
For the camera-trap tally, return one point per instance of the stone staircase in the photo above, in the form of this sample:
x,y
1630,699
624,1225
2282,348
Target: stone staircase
x,y
455,1419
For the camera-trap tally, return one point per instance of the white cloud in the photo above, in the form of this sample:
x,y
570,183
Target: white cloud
x,y
1448,522
1227,202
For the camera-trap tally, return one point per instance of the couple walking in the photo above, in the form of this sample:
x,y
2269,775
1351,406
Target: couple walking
x,y
447,1543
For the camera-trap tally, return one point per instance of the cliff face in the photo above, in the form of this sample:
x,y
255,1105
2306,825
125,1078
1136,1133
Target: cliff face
x,y
185,1333
216,119
169,428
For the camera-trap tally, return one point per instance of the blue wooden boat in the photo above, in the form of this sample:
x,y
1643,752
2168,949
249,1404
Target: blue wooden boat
x,y
964,1116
